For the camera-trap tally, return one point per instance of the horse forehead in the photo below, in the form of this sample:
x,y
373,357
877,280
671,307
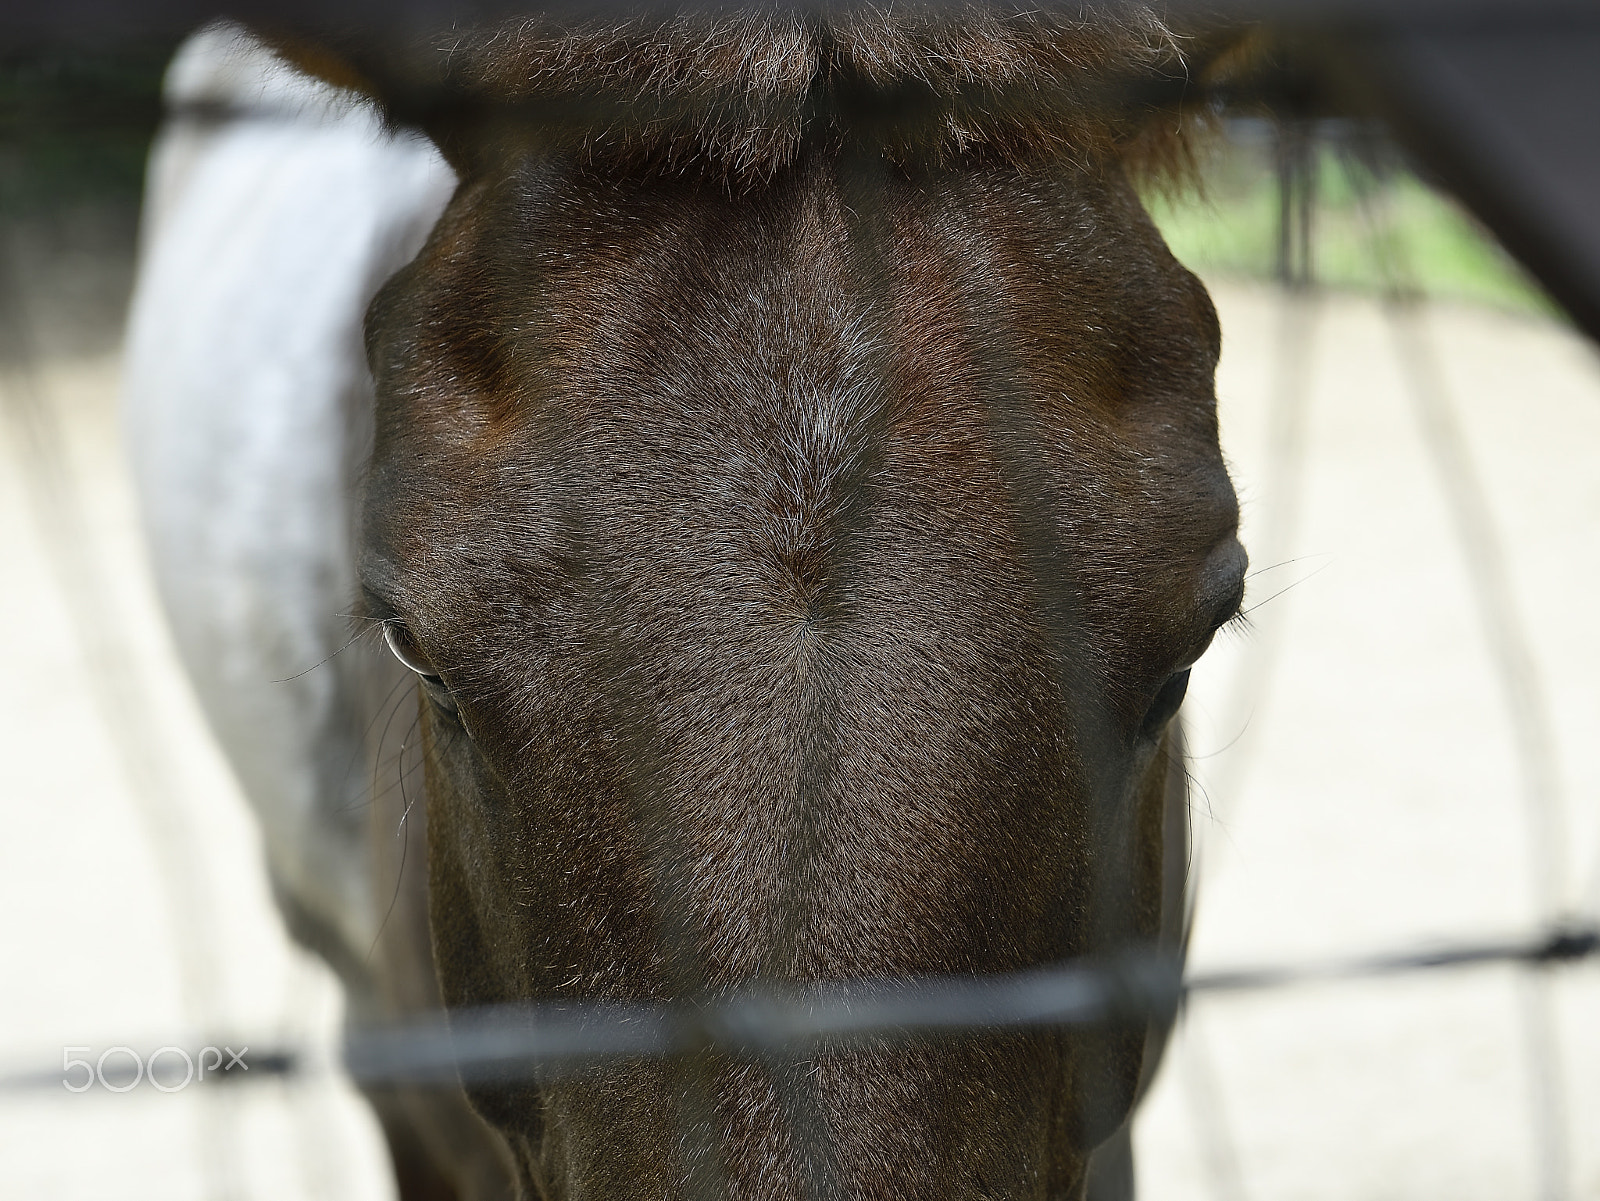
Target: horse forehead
x,y
746,384
606,282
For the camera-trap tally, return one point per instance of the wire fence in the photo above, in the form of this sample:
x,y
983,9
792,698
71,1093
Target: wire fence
x,y
778,1026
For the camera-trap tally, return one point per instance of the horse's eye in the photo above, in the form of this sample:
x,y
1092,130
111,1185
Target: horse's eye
x,y
1165,706
404,648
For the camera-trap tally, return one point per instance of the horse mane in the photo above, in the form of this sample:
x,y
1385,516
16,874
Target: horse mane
x,y
742,90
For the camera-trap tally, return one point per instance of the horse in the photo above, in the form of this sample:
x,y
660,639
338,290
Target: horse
x,y
776,481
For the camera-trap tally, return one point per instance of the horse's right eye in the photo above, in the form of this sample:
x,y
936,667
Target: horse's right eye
x,y
404,648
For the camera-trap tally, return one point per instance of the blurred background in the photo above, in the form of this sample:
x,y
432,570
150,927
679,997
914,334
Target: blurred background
x,y
1396,753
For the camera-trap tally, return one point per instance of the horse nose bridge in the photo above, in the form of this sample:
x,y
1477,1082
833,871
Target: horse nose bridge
x,y
889,785
939,1120
848,868
926,1121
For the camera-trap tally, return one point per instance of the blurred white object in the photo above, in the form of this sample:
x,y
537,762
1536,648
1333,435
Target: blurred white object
x,y
276,207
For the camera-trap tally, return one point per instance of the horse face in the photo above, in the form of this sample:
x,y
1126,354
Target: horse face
x,y
800,581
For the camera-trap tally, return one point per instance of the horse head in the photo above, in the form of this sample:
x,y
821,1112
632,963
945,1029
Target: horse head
x,y
796,491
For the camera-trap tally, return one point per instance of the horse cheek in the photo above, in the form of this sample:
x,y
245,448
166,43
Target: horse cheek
x,y
1161,847
1110,1068
468,969
1163,859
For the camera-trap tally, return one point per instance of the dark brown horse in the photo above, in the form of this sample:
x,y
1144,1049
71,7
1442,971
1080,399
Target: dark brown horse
x,y
796,491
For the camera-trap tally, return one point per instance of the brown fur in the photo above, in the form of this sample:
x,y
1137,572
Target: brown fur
x,y
801,561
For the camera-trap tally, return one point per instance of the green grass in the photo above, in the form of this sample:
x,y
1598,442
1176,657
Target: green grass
x,y
1232,231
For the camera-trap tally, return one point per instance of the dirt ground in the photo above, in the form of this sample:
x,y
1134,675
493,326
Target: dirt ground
x,y
1357,791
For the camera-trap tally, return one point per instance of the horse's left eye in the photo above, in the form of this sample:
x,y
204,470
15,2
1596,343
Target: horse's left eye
x,y
1165,706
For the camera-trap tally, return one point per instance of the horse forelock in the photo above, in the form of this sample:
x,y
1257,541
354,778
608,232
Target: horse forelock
x,y
742,91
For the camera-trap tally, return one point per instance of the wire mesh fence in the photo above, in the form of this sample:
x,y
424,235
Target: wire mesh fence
x,y
775,1025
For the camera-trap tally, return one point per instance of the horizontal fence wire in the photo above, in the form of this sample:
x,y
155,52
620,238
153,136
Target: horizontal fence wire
x,y
508,1043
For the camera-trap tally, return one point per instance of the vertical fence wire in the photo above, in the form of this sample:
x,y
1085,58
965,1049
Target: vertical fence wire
x,y
1283,489
1294,150
69,545
1220,1161
691,1072
1510,649
1017,434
